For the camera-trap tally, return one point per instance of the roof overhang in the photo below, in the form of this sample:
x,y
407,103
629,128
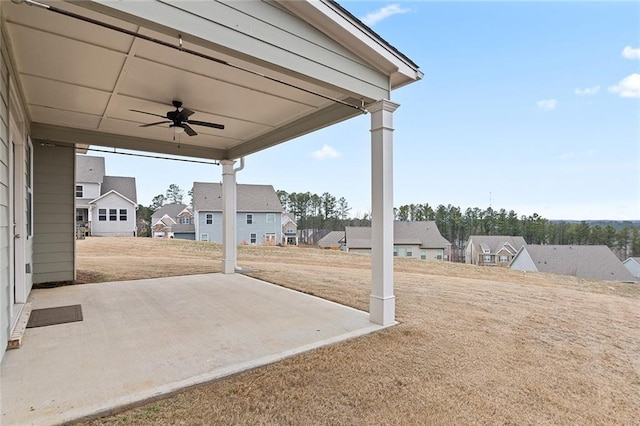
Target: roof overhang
x,y
270,71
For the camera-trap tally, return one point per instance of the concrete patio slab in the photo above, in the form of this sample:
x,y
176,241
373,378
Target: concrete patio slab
x,y
142,339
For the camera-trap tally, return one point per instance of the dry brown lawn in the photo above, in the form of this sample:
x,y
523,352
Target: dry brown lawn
x,y
475,345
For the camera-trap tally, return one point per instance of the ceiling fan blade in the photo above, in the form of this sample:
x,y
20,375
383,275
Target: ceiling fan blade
x,y
184,114
154,124
148,113
188,130
204,123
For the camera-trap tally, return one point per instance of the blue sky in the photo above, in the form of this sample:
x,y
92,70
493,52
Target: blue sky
x,y
528,106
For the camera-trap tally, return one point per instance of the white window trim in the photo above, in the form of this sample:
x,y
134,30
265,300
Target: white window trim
x,y
81,190
271,216
249,215
206,218
253,238
204,236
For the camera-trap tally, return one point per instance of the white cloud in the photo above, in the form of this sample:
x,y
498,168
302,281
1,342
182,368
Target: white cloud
x,y
547,104
325,153
373,18
587,91
628,87
631,53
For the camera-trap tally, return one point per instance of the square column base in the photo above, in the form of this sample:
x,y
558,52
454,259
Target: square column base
x,y
382,310
228,266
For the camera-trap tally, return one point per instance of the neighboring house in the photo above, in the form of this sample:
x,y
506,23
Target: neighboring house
x,y
289,230
589,262
105,205
258,213
173,221
633,265
333,240
417,239
492,250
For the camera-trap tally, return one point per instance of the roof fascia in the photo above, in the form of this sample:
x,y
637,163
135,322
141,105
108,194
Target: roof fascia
x,y
335,21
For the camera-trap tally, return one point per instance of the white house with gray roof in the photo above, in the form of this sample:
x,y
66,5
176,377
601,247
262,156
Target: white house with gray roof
x,y
492,250
416,239
105,205
258,213
589,262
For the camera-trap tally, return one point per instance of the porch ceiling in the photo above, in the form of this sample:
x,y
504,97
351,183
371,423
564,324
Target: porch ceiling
x,y
79,82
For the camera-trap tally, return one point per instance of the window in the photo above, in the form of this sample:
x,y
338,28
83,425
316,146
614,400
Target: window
x,y
270,238
504,259
271,218
185,220
113,214
208,218
79,215
79,191
395,251
423,254
102,214
254,238
290,230
440,255
409,252
204,237
249,219
487,258
123,214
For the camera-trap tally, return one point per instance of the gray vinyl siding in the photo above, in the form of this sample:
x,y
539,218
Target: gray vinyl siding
x,y
4,203
54,215
260,227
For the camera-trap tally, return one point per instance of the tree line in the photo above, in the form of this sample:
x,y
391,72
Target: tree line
x,y
456,226
318,214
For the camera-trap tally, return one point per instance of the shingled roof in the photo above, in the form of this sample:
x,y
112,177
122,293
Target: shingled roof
x,y
125,186
423,233
250,198
589,262
89,169
171,210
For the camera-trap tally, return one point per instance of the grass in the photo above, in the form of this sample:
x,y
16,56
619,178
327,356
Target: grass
x,y
475,345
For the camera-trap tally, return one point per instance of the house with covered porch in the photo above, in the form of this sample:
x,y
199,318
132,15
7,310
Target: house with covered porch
x,y
215,80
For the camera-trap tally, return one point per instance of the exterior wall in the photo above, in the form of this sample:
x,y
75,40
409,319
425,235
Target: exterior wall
x,y
54,214
260,227
632,266
90,191
412,251
471,253
5,254
523,262
184,236
435,254
113,228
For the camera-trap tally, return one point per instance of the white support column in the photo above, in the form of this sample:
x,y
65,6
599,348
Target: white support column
x,y
229,228
382,308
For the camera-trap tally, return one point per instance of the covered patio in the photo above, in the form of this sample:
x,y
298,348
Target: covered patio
x,y
153,76
138,341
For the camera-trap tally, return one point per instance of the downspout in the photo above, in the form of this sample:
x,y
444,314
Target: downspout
x,y
236,170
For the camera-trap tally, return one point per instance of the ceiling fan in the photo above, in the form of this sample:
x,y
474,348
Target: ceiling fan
x,y
179,120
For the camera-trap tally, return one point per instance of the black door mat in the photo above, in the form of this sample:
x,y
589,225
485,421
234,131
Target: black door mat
x,y
53,316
